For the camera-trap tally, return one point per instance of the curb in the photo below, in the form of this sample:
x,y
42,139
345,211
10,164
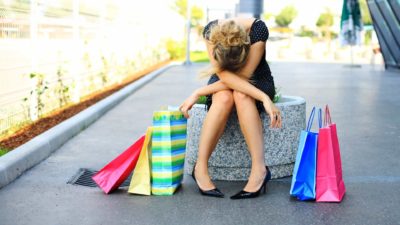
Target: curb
x,y
26,156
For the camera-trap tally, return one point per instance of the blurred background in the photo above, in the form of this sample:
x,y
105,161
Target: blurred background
x,y
54,53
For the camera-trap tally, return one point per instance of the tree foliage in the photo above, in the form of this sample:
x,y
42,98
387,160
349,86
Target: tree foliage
x,y
267,16
366,17
286,16
180,6
197,13
325,20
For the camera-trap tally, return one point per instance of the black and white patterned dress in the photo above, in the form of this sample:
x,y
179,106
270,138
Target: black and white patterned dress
x,y
262,78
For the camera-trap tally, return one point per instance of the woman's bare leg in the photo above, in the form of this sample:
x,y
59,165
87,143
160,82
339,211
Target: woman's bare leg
x,y
213,127
250,124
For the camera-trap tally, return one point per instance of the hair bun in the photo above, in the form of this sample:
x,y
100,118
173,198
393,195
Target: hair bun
x,y
229,34
231,46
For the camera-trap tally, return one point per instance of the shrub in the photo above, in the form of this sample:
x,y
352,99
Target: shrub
x,y
334,35
304,32
286,16
176,49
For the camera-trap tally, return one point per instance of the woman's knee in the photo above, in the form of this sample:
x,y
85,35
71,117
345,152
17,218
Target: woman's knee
x,y
240,97
224,98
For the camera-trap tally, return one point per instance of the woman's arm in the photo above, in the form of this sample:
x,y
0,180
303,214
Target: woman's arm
x,y
211,89
237,83
253,59
203,91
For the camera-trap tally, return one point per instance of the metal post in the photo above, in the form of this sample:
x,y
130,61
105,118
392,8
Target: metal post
x,y
351,55
208,14
34,101
188,62
75,61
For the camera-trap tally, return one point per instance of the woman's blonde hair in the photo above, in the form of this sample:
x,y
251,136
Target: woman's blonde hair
x,y
231,46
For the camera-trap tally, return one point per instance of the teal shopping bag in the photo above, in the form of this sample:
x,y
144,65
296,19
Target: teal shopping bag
x,y
304,172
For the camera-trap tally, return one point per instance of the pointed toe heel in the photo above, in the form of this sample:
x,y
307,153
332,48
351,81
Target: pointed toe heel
x,y
244,194
211,193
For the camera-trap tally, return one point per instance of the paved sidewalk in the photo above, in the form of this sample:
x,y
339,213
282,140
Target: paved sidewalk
x,y
365,104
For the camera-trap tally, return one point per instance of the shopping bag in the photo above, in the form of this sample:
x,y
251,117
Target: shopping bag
x,y
117,171
168,151
304,172
141,179
330,185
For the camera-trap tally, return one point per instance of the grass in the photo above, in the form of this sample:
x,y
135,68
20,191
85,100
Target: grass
x,y
199,56
3,151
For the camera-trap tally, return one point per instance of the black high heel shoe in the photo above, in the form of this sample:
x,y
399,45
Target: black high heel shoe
x,y
244,194
212,193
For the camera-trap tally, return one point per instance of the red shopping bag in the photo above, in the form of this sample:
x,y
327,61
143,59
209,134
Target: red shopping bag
x,y
330,186
114,173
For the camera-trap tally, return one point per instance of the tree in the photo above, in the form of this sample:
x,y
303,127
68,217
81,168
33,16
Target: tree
x,y
177,49
366,17
197,13
325,19
286,16
180,7
268,16
325,22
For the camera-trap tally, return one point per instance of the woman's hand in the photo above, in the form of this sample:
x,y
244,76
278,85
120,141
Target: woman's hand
x,y
188,103
274,114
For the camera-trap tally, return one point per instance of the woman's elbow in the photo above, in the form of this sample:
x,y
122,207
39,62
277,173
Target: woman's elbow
x,y
225,79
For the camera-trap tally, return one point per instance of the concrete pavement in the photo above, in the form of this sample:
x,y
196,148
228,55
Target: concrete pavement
x,y
365,104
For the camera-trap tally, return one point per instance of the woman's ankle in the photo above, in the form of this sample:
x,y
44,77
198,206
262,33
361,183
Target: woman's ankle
x,y
260,168
201,166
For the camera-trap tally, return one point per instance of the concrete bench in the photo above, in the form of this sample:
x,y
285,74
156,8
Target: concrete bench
x,y
231,159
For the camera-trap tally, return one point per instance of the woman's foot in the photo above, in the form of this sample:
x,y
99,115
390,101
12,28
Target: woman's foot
x,y
203,180
213,192
256,179
243,194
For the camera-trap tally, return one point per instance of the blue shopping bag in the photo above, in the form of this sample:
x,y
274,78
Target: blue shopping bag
x,y
304,172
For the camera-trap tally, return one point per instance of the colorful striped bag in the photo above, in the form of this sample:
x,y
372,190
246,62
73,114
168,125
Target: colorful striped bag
x,y
168,151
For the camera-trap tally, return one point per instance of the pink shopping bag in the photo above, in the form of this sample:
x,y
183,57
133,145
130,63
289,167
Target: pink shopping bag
x,y
111,176
330,186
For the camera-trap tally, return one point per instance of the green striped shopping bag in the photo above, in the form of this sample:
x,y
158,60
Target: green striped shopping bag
x,y
168,151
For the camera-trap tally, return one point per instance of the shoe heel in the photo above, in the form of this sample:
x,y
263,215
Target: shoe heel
x,y
267,178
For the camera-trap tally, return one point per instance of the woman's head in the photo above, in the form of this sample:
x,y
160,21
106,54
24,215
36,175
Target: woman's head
x,y
231,45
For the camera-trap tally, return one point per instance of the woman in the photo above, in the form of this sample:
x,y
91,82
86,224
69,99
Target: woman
x,y
241,78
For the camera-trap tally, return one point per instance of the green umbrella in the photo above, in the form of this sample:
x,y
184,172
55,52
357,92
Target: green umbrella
x,y
351,23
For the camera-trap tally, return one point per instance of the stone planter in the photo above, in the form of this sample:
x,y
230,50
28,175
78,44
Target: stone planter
x,y
231,160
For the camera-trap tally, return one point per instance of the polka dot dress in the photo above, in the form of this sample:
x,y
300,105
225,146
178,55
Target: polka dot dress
x,y
262,78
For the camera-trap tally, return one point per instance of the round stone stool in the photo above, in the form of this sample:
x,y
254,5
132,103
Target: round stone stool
x,y
231,160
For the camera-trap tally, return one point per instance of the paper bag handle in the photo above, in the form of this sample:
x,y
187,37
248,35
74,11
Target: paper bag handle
x,y
311,118
327,118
